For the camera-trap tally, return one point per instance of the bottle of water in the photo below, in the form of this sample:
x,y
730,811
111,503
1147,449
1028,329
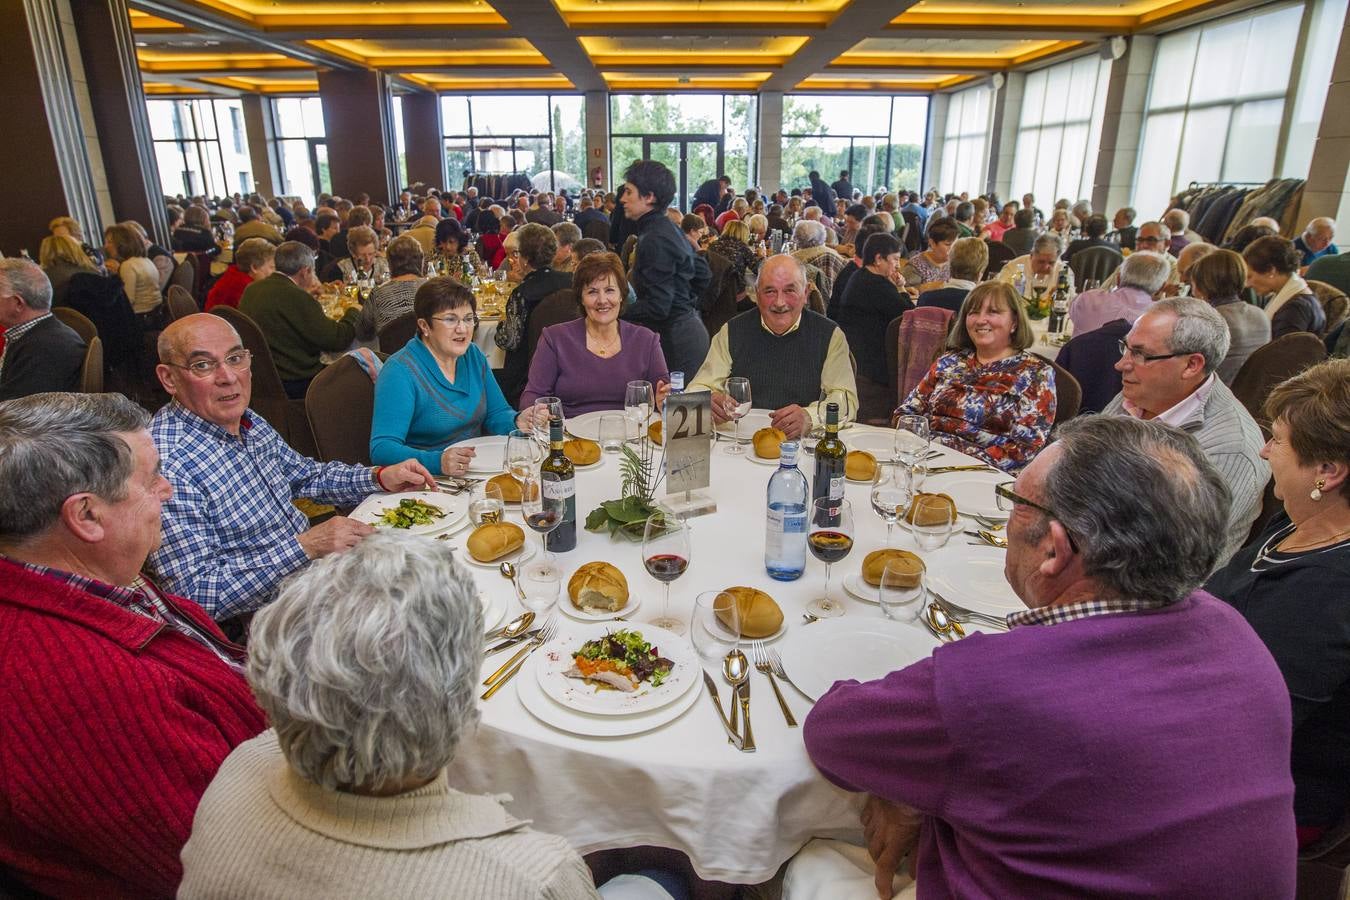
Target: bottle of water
x,y
785,531
677,382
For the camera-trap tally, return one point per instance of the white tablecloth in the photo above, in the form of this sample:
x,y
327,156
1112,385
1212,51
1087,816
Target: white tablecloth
x,y
738,816
485,336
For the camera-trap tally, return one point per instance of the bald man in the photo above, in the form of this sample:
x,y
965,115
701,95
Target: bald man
x,y
231,532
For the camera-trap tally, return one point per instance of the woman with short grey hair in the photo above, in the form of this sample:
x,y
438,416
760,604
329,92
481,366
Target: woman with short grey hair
x,y
366,665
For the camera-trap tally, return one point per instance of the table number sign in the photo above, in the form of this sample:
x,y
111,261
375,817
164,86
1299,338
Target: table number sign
x,y
688,430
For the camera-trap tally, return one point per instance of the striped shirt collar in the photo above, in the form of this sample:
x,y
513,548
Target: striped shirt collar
x,y
1055,615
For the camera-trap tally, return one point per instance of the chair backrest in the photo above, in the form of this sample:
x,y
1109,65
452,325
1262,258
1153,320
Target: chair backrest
x,y
913,240
1334,303
180,303
77,321
626,255
91,373
559,306
1000,254
269,396
1277,361
339,404
1095,264
1068,392
919,341
893,354
397,333
597,230
185,275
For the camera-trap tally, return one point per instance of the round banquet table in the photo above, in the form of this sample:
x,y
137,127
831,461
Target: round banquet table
x,y
737,816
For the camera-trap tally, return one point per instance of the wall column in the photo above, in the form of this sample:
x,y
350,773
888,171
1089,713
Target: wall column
x,y
423,144
357,122
260,135
937,128
771,141
1327,192
1003,135
597,137
1123,127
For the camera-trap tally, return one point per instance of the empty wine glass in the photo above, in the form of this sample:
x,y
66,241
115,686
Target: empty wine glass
x,y
934,521
523,455
738,389
830,539
637,405
665,553
892,492
541,512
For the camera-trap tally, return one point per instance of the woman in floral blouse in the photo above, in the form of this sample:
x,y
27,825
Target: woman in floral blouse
x,y
987,396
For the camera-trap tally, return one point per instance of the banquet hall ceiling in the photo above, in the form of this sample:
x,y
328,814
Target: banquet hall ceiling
x,y
190,47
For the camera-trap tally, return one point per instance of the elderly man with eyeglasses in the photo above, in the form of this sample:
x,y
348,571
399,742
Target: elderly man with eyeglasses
x,y
1155,237
1128,736
1168,372
231,532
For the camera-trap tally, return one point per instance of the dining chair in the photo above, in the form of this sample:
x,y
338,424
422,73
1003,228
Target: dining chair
x,y
718,304
1000,254
920,337
1334,303
269,398
556,308
91,372
396,334
1281,359
1068,393
1095,264
180,303
185,275
77,321
339,405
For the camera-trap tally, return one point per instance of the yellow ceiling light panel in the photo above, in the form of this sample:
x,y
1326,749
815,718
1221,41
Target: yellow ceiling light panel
x,y
711,13
639,81
918,82
1124,15
442,82
267,85
279,14
153,61
145,23
928,47
155,88
399,54
609,52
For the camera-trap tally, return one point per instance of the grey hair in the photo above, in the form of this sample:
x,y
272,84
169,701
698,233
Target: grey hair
x,y
1177,220
1047,241
55,445
1146,271
1163,230
1199,329
1148,509
802,277
358,236
293,256
1082,209
26,280
809,233
566,233
366,662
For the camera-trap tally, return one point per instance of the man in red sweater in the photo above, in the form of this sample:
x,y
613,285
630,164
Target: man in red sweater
x,y
119,701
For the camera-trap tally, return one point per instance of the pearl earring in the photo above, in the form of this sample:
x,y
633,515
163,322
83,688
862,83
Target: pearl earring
x,y
1317,489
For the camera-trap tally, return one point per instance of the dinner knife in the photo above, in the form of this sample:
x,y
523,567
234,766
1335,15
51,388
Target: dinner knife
x,y
511,642
721,716
749,741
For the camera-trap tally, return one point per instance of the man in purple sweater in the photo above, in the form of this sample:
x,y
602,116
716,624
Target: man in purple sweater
x,y
1128,737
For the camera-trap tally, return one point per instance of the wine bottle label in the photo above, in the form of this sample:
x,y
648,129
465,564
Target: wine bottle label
x,y
837,487
560,489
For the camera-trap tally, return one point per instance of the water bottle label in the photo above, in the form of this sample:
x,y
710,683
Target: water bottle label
x,y
560,489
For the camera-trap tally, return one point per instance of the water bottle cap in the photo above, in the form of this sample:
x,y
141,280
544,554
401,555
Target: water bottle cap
x,y
787,453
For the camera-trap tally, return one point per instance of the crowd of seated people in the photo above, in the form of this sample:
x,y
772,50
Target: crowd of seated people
x,y
220,591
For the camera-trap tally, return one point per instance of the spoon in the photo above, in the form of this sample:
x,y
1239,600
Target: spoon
x,y
993,539
942,622
736,670
515,627
508,570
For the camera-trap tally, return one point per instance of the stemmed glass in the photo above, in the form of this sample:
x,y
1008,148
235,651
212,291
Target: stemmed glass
x,y
738,389
913,437
637,404
541,512
830,539
892,492
665,553
551,407
523,455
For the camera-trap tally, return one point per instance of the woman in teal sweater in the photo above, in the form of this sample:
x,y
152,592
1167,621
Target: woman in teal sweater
x,y
438,390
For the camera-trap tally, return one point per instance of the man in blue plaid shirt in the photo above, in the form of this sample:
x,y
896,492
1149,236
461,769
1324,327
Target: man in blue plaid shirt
x,y
231,532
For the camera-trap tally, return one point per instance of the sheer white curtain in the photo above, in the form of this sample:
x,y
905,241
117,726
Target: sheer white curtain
x,y
965,151
1059,129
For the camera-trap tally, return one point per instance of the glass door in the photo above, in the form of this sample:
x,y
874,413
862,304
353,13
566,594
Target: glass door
x,y
693,158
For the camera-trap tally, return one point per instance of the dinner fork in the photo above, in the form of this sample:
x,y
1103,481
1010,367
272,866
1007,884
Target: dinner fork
x,y
761,658
969,616
776,663
513,665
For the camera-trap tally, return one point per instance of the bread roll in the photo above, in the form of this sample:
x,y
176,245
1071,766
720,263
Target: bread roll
x,y
859,465
759,614
495,540
654,432
874,564
581,452
931,517
510,488
599,586
768,443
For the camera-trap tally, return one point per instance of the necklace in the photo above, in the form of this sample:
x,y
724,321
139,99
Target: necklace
x,y
604,349
1292,548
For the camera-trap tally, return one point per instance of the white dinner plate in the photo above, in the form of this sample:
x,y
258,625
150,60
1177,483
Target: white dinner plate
x,y
489,453
494,610
863,648
882,446
751,422
581,696
591,615
972,576
721,632
525,553
972,491
587,425
455,507
861,590
534,700
754,457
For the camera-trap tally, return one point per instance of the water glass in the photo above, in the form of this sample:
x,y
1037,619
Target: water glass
x,y
715,626
637,404
613,432
941,519
540,580
899,600
545,409
913,436
488,507
523,455
892,492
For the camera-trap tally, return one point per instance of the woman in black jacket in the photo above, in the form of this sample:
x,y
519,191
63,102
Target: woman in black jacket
x,y
869,303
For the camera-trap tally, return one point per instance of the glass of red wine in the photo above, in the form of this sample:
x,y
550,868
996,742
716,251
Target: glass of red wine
x,y
830,539
665,553
541,512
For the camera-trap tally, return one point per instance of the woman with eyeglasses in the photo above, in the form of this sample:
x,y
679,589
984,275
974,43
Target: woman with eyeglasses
x,y
439,390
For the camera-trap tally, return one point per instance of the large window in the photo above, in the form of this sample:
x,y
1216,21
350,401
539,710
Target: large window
x,y
541,136
302,149
1215,105
200,147
965,142
689,133
878,140
1060,129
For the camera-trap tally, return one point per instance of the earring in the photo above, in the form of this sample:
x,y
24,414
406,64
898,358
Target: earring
x,y
1317,489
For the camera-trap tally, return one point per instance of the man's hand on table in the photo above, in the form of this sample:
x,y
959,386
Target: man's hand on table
x,y
409,475
722,406
333,536
791,420
891,831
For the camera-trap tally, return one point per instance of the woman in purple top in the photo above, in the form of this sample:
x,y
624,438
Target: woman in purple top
x,y
588,362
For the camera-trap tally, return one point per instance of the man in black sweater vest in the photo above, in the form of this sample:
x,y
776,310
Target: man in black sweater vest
x,y
41,352
791,355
